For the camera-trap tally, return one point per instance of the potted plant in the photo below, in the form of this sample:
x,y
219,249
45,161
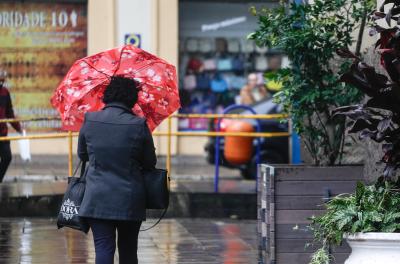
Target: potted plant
x,y
369,218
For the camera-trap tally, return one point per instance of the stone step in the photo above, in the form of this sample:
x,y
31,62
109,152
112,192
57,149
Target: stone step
x,y
236,199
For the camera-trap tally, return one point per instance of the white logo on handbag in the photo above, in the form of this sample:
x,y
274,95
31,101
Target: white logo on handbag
x,y
69,209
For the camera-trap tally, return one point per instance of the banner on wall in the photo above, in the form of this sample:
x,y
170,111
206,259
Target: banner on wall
x,y
38,43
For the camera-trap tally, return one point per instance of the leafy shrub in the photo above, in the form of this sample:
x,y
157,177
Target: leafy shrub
x,y
373,208
379,118
310,34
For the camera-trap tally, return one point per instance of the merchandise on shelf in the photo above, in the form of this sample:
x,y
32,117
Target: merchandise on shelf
x,y
213,71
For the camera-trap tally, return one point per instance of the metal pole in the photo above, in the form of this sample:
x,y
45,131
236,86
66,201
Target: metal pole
x,y
45,136
169,143
216,157
162,133
70,149
222,134
290,138
232,116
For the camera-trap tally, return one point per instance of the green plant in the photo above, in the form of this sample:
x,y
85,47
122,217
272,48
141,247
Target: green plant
x,y
321,256
379,118
310,34
373,208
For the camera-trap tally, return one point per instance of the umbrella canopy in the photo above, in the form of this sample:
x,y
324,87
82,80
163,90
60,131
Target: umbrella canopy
x,y
83,87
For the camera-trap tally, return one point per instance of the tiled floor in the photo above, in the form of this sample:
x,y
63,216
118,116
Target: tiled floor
x,y
182,241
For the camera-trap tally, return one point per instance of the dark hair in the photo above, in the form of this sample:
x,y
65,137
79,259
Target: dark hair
x,y
121,90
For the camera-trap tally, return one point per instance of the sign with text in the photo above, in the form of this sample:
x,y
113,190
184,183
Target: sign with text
x,y
38,43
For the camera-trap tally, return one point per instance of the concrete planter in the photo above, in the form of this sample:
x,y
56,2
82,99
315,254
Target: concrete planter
x,y
287,197
374,248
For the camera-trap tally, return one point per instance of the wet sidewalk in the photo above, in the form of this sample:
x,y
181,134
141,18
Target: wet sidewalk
x,y
183,241
54,167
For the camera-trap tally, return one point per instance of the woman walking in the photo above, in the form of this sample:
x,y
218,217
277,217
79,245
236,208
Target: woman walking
x,y
118,146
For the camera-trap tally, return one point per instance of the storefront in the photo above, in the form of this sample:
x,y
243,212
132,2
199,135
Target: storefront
x,y
215,56
210,36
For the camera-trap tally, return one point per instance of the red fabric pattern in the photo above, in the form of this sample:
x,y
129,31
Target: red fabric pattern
x,y
83,86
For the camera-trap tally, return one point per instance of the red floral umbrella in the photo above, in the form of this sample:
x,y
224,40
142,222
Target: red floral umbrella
x,y
83,86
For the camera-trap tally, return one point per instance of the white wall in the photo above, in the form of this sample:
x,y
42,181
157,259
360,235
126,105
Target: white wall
x,y
101,33
157,23
134,17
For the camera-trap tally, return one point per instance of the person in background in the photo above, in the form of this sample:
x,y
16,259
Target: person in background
x,y
274,64
6,112
252,92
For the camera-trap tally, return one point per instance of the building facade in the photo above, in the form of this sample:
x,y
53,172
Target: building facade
x,y
180,31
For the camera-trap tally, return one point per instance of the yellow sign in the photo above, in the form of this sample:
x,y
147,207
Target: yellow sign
x,y
38,43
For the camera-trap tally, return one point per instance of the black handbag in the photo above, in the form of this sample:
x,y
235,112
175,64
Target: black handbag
x,y
156,183
68,215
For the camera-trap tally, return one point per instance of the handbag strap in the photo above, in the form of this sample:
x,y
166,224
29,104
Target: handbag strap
x,y
76,169
158,221
162,215
82,165
83,171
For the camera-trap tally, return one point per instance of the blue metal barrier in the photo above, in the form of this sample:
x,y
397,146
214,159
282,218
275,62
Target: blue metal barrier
x,y
296,152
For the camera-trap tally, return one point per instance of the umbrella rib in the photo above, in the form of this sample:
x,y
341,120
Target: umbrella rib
x,y
109,76
120,58
91,66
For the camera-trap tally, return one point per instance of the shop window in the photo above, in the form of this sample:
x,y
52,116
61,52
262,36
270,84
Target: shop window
x,y
216,59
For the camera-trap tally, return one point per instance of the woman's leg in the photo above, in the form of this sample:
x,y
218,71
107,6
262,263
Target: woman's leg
x,y
128,232
6,156
104,239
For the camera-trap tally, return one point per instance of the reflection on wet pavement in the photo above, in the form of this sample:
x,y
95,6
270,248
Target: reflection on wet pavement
x,y
34,240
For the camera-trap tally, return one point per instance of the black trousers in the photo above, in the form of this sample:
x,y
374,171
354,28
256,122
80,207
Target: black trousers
x,y
5,158
104,236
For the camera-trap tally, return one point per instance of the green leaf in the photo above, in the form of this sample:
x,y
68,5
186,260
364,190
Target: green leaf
x,y
310,36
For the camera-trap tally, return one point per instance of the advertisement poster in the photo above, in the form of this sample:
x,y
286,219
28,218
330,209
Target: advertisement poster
x,y
38,43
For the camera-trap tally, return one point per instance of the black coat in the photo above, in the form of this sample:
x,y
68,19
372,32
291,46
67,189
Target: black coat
x,y
118,146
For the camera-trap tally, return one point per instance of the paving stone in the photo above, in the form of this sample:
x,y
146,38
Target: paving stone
x,y
174,241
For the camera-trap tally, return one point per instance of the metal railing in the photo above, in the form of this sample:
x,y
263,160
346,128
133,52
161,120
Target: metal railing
x,y
168,133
